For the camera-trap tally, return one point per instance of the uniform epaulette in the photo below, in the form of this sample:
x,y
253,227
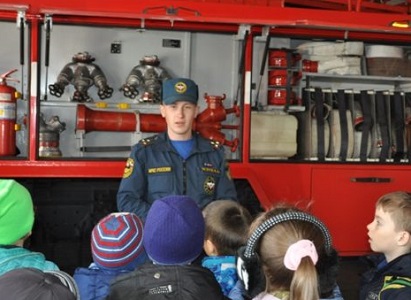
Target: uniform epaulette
x,y
148,141
215,144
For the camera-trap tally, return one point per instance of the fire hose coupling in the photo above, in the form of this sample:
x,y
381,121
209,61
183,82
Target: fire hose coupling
x,y
146,80
82,73
49,136
129,91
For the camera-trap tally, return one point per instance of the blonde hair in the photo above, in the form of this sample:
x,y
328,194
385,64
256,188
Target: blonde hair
x,y
398,204
272,247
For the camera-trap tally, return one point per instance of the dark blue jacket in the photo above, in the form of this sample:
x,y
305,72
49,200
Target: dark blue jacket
x,y
155,170
94,283
372,282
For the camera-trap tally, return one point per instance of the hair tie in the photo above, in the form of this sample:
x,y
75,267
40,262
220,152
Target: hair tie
x,y
297,251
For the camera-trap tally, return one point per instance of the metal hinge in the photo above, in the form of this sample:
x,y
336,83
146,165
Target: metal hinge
x,y
21,18
48,22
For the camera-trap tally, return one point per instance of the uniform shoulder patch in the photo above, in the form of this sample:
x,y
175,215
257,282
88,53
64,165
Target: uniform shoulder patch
x,y
148,141
129,168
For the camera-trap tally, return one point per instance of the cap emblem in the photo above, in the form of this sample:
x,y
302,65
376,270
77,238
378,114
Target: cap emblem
x,y
180,87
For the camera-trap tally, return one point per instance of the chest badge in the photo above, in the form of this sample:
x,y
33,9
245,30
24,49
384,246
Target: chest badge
x,y
209,185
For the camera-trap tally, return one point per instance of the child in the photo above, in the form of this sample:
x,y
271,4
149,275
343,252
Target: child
x,y
389,234
16,223
117,248
290,244
227,224
31,283
173,239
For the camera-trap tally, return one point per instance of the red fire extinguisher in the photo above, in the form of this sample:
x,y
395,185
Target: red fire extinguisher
x,y
8,113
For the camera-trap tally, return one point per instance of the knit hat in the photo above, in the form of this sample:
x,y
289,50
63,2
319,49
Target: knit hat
x,y
174,231
16,211
179,89
34,284
116,242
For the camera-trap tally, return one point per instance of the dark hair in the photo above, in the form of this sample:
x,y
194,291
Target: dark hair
x,y
227,225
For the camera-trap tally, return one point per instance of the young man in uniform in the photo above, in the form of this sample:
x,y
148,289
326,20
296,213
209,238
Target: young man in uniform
x,y
176,162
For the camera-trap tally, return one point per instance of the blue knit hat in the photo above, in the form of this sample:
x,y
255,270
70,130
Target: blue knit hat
x,y
116,242
174,231
179,89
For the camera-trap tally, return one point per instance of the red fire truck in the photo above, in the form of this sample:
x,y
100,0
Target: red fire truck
x,y
310,98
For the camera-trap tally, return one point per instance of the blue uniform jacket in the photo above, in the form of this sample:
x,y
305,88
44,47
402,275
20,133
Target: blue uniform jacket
x,y
155,170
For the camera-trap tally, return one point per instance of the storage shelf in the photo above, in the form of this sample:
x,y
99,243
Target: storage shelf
x,y
307,77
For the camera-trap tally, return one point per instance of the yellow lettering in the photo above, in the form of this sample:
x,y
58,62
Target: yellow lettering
x,y
159,170
210,170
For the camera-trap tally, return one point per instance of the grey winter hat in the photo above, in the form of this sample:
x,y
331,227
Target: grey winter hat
x,y
34,284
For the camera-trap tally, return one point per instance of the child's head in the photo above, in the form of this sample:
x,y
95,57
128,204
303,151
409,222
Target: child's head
x,y
16,212
288,244
174,231
30,283
390,230
227,224
117,242
398,205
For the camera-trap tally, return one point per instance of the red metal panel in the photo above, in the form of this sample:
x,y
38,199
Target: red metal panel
x,y
346,204
221,12
276,182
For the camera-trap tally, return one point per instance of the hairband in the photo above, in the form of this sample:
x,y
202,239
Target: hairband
x,y
249,251
297,251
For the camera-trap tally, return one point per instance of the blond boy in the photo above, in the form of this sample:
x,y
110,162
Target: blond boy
x,y
390,235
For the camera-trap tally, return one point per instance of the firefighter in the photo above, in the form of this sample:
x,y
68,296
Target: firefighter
x,y
176,162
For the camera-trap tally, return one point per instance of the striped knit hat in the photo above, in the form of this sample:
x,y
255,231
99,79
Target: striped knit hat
x,y
116,242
